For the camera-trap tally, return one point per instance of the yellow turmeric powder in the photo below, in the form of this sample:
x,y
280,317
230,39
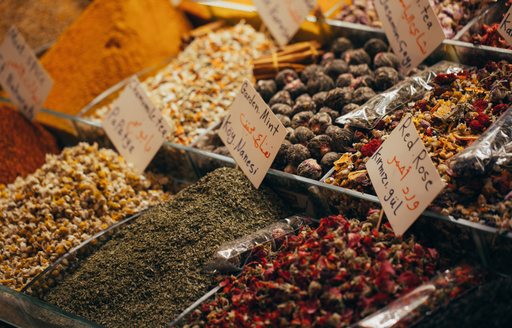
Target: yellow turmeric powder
x,y
110,41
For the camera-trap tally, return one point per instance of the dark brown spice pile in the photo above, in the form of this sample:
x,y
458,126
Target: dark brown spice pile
x,y
151,270
23,145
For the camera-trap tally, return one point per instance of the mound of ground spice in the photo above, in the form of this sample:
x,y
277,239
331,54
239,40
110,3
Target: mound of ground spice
x,y
153,269
23,145
110,41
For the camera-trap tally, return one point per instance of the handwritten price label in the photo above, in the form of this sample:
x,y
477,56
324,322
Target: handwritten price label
x,y
505,28
284,17
412,29
252,133
21,75
135,126
403,175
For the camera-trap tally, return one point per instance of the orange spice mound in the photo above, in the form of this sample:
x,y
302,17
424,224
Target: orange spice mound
x,y
23,145
110,41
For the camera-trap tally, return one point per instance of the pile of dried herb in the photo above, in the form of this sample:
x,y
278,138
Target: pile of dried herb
x,y
328,277
151,270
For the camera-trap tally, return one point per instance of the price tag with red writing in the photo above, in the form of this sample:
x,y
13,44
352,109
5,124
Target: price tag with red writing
x,y
403,175
505,28
21,75
284,17
252,133
412,29
135,126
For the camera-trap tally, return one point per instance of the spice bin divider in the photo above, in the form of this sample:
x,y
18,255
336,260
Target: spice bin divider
x,y
20,310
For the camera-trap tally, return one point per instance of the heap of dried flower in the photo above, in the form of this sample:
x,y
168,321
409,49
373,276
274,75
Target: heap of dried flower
x,y
450,117
489,35
328,277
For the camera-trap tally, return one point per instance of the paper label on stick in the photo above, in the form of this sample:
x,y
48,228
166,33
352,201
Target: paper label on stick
x,y
284,17
403,175
412,29
505,28
252,133
135,126
21,74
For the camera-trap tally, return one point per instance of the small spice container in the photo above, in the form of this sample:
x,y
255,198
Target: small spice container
x,y
192,90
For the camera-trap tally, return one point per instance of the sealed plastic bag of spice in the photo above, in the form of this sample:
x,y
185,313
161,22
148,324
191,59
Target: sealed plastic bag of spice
x,y
424,299
411,89
493,147
230,256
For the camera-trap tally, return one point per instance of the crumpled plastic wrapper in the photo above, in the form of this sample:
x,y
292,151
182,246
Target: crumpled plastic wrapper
x,y
494,147
409,90
410,308
231,255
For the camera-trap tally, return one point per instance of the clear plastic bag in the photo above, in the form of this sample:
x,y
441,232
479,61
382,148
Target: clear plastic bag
x,y
230,256
494,147
424,299
410,89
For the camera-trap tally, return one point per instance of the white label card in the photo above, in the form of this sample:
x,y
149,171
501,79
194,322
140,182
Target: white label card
x,y
505,28
22,76
403,175
252,133
284,17
135,126
412,29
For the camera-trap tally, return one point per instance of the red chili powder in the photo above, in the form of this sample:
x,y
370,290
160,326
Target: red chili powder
x,y
23,145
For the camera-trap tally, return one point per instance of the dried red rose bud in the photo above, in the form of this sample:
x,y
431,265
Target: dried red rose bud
x,y
370,148
445,78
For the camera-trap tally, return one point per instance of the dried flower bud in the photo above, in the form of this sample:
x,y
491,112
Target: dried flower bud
x,y
357,57
374,46
295,88
335,67
386,77
282,155
319,82
362,95
319,146
302,135
360,70
285,120
285,76
340,45
386,59
281,97
310,169
349,108
341,138
332,113
304,104
266,89
319,99
328,160
339,97
319,122
282,109
301,119
297,154
310,71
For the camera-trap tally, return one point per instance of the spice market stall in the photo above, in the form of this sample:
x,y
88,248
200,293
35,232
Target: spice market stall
x,y
91,239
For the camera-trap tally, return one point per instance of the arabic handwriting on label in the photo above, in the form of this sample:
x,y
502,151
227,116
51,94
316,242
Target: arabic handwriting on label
x,y
135,126
283,18
252,133
21,75
505,28
413,30
403,175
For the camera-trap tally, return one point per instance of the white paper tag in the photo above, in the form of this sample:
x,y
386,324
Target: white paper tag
x,y
252,133
505,28
25,80
412,29
284,17
403,175
135,126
